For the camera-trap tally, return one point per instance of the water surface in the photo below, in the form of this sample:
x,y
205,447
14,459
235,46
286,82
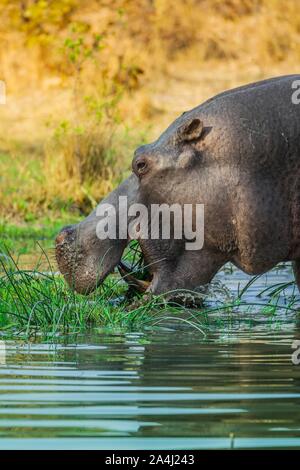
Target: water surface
x,y
170,388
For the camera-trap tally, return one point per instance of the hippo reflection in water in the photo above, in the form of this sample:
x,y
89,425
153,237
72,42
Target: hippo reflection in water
x,y
239,155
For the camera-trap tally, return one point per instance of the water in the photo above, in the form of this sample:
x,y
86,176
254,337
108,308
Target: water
x,y
170,388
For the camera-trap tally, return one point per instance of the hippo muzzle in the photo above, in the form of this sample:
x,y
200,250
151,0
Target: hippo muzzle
x,y
83,258
80,260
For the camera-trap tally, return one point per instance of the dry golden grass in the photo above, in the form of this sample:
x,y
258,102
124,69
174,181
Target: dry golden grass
x,y
76,111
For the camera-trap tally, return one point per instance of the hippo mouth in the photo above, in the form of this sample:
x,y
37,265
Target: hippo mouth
x,y
86,267
132,278
84,258
78,267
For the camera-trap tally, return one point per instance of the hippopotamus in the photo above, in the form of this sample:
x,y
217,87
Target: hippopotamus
x,y
237,154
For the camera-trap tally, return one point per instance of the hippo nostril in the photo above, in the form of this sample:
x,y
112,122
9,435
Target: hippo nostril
x,y
140,166
63,234
60,238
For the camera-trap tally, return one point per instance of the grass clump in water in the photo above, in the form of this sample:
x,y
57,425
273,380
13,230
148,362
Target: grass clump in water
x,y
38,301
34,301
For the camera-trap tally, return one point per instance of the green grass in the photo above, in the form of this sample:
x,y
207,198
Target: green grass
x,y
37,303
34,302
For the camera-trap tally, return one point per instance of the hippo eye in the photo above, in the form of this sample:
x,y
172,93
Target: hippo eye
x,y
140,165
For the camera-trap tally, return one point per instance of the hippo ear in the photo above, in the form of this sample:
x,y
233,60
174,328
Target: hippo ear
x,y
190,130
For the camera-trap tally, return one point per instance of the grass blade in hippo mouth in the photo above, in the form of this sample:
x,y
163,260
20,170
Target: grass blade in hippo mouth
x,y
133,270
129,275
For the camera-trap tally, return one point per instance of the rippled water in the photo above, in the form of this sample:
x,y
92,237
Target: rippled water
x,y
172,388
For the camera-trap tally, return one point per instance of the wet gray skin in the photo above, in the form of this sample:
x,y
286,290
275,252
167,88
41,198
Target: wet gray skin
x,y
83,259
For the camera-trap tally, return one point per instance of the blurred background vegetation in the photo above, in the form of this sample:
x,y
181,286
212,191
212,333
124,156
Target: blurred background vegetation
x,y
88,81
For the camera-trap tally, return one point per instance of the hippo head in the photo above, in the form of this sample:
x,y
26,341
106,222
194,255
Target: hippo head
x,y
161,171
83,258
163,165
